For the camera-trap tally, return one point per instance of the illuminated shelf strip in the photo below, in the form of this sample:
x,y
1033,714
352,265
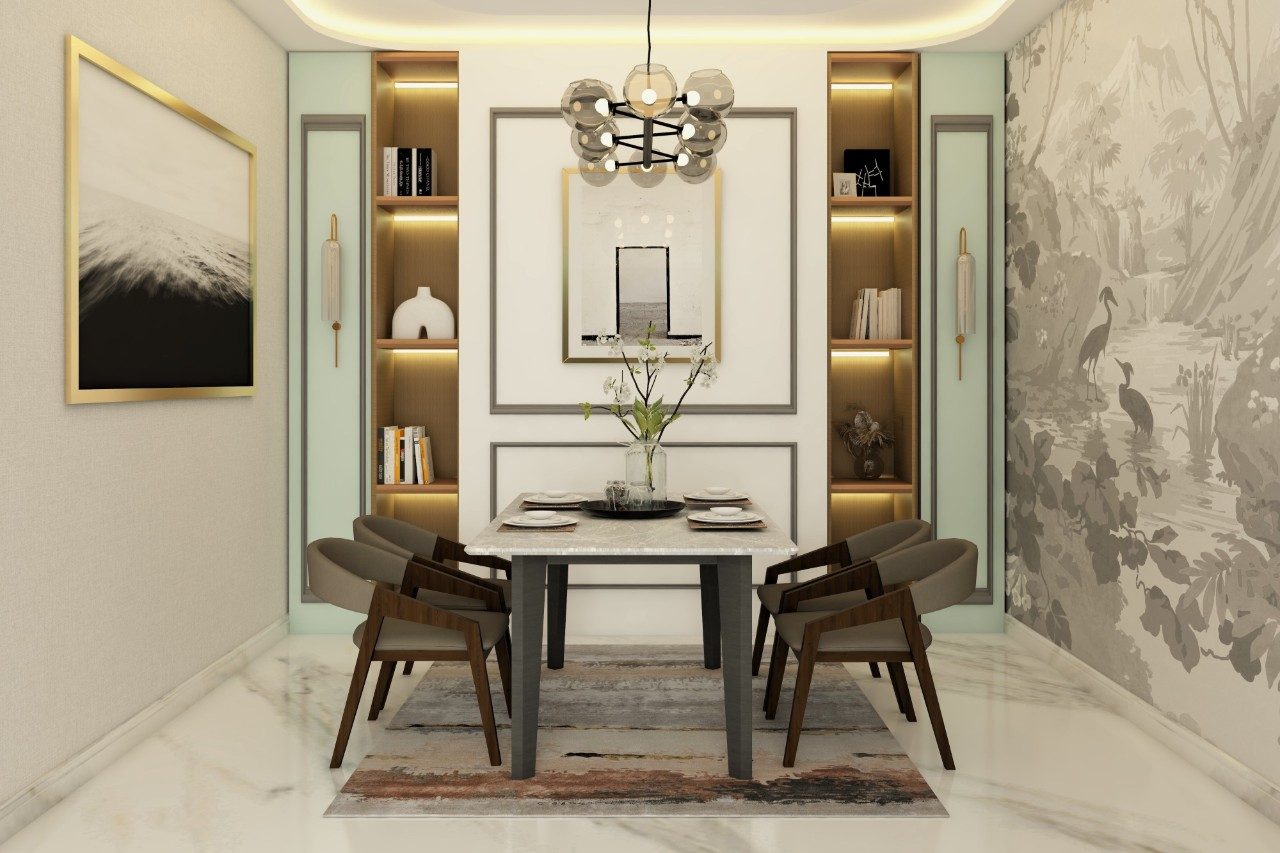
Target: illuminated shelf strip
x,y
426,217
861,219
865,353
862,87
426,84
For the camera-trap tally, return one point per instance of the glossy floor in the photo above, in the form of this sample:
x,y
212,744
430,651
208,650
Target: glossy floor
x,y
1042,766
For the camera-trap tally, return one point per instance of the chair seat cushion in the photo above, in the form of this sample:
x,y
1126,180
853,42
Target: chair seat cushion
x,y
886,636
771,598
401,635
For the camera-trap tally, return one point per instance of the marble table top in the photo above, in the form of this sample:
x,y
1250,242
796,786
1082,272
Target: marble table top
x,y
654,537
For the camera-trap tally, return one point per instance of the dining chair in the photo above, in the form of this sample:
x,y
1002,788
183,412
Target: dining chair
x,y
421,545
868,545
886,627
400,626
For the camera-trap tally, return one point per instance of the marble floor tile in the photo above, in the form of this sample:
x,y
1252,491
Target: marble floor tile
x,y
1043,767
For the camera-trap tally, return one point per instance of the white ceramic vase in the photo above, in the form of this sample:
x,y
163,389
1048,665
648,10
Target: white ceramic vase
x,y
422,312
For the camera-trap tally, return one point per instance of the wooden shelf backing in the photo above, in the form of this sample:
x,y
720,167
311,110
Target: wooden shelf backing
x,y
390,202
882,486
417,343
441,486
870,204
850,345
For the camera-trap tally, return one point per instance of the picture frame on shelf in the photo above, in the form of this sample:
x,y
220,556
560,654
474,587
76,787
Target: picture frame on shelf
x,y
844,184
871,169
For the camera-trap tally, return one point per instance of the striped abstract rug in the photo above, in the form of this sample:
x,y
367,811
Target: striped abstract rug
x,y
634,730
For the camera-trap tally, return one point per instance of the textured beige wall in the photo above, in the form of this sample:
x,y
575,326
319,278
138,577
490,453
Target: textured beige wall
x,y
139,542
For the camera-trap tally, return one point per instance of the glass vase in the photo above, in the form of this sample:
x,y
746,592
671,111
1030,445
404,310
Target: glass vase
x,y
646,474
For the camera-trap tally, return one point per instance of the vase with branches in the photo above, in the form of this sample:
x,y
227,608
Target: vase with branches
x,y
864,438
634,400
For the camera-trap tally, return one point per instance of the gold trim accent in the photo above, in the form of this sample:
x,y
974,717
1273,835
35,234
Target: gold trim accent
x,y
564,269
78,50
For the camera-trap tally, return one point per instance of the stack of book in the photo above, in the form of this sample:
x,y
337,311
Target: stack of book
x,y
404,456
408,171
877,315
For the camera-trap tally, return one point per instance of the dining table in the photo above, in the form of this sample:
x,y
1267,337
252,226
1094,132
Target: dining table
x,y
726,554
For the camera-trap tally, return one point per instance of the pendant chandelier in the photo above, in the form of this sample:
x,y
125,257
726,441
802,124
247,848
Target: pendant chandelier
x,y
689,127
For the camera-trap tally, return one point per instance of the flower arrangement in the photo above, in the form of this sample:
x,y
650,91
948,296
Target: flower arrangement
x,y
863,434
631,391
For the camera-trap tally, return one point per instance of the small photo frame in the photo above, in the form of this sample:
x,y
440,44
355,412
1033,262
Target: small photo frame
x,y
844,184
871,169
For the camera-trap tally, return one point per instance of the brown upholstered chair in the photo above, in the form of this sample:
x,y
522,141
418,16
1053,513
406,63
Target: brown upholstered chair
x,y
869,545
886,627
421,545
401,626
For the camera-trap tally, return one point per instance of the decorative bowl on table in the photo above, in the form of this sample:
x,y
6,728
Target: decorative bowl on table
x,y
602,509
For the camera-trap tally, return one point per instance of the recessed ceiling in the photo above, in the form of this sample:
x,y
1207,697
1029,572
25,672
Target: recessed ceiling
x,y
838,24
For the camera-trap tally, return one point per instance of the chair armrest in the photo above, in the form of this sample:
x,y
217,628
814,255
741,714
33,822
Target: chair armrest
x,y
447,549
388,604
836,554
865,576
430,575
894,605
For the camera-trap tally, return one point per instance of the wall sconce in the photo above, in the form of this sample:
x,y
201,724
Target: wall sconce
x,y
966,313
331,282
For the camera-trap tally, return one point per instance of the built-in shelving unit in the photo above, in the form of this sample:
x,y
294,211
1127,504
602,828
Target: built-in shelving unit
x,y
415,244
873,243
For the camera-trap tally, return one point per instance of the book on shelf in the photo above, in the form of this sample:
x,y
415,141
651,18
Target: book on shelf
x,y
404,456
408,171
877,315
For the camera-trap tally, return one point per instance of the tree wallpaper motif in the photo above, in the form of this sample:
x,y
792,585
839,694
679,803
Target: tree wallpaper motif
x,y
1143,303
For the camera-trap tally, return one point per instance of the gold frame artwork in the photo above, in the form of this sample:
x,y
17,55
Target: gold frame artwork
x,y
717,349
78,51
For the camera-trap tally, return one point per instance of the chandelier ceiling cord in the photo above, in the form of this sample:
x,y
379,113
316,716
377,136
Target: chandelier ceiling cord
x,y
693,121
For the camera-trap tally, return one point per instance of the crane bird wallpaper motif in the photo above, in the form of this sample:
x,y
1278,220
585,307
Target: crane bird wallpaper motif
x,y
1143,315
160,242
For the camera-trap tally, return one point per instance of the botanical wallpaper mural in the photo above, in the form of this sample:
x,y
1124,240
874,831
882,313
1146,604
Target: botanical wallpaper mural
x,y
1144,354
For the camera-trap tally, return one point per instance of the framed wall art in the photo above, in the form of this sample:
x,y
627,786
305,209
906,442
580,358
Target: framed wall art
x,y
160,248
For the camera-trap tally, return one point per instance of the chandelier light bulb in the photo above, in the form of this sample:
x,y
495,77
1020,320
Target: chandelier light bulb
x,y
686,131
682,159
602,106
692,98
611,165
649,96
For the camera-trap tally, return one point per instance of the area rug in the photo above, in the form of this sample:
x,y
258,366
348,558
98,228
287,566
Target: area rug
x,y
634,730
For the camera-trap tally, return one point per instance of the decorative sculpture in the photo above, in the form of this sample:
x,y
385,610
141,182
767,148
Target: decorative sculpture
x,y
966,310
331,283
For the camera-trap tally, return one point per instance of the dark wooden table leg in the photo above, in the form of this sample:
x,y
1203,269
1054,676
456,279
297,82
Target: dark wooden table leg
x,y
528,590
710,616
557,610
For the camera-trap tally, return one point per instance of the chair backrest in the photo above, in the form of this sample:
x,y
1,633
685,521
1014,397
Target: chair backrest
x,y
342,572
941,573
391,534
888,538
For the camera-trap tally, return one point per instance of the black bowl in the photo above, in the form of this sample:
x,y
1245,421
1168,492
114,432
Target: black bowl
x,y
602,509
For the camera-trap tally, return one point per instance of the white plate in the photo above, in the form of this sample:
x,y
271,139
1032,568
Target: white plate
x,y
712,518
727,496
525,521
571,498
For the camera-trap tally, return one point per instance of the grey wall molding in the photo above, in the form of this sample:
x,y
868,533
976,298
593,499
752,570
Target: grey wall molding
x,y
984,125
354,123
543,113
791,447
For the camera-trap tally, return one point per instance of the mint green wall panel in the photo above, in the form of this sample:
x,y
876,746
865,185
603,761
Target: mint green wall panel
x,y
328,168
962,421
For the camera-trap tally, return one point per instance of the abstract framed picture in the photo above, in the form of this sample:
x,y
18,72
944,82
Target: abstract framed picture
x,y
636,257
160,242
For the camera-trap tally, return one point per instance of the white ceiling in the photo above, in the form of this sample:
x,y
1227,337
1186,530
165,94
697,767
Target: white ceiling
x,y
837,24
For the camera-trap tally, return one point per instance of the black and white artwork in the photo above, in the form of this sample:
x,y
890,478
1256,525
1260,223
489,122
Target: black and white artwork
x,y
870,171
164,288
640,255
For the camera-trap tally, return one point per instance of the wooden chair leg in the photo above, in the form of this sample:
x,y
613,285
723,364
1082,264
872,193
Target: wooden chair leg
x,y
773,687
898,677
382,688
875,670
804,675
353,701
480,674
762,628
408,667
935,710
503,654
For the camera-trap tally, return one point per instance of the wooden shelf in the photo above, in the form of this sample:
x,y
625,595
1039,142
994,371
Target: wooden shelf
x,y
848,345
883,486
396,202
871,204
442,486
416,343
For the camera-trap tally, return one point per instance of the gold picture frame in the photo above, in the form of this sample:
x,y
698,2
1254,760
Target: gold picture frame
x,y
567,352
78,54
